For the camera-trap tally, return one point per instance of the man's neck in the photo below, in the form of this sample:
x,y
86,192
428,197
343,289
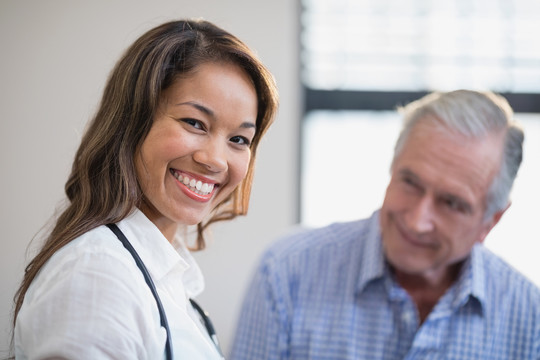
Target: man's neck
x,y
427,289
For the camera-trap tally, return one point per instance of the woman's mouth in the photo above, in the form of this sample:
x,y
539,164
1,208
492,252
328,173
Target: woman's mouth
x,y
201,190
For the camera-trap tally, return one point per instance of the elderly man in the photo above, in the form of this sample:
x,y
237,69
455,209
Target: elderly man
x,y
413,281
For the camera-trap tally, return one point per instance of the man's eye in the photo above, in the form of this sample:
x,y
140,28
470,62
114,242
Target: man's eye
x,y
241,140
456,205
409,181
452,204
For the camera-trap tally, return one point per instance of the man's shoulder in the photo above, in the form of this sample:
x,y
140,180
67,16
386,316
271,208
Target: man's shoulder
x,y
336,240
506,280
302,238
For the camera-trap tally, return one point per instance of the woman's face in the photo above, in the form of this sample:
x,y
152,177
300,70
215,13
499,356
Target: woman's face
x,y
198,148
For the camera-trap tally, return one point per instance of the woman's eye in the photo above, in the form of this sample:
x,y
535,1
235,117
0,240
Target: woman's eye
x,y
241,140
195,123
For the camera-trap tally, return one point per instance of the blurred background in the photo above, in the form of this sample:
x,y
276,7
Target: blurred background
x,y
341,66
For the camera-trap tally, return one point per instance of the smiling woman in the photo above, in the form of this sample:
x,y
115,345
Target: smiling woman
x,y
198,149
173,143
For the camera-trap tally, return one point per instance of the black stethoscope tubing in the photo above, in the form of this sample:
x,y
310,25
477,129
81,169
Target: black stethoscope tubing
x,y
163,317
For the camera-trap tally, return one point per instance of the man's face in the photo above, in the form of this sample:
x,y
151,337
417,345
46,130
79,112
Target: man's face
x,y
433,211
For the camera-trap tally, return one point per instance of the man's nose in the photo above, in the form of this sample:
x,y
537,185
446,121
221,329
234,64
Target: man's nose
x,y
421,216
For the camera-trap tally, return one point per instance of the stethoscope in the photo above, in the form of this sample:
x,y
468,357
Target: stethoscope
x,y
163,318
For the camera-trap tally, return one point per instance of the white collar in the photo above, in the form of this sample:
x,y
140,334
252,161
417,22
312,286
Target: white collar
x,y
160,256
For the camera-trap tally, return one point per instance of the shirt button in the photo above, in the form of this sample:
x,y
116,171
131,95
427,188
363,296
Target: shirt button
x,y
407,316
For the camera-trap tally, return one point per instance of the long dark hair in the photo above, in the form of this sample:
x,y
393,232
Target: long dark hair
x,y
102,187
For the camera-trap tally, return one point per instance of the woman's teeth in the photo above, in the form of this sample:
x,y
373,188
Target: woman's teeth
x,y
197,186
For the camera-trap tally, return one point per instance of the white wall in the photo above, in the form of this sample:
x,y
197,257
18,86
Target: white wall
x,y
55,57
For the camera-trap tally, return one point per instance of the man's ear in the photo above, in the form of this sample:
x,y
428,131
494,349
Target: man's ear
x,y
490,223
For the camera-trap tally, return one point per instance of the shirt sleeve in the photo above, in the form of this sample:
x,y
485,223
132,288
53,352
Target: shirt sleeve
x,y
262,329
537,341
94,306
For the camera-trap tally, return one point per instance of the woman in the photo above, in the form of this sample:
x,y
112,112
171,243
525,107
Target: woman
x,y
173,144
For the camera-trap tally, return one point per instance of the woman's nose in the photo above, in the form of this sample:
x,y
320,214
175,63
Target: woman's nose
x,y
212,155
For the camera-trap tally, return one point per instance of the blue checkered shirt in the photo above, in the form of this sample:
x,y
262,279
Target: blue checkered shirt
x,y
328,294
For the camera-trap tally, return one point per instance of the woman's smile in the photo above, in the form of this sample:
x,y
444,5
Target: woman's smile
x,y
199,190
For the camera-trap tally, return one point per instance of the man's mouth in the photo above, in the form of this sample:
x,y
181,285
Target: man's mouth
x,y
413,239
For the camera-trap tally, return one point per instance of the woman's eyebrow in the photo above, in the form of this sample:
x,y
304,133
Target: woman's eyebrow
x,y
209,112
199,107
248,125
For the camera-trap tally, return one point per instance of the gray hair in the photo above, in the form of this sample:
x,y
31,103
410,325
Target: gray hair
x,y
472,114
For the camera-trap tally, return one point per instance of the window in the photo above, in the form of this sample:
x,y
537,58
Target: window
x,y
362,58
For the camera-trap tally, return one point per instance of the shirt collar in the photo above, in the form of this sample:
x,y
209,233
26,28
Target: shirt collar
x,y
373,266
160,257
472,278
